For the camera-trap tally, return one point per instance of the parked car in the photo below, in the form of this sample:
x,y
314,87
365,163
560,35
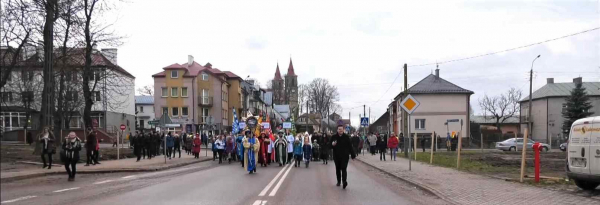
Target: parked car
x,y
583,156
563,146
514,144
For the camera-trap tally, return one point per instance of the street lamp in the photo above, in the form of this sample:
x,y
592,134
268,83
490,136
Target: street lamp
x,y
530,124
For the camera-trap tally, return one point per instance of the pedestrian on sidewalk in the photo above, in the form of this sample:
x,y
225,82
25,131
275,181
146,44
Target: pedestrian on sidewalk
x,y
423,143
325,148
214,147
170,145
393,146
196,146
114,141
90,147
342,148
381,146
97,150
137,147
297,151
220,147
46,145
355,142
177,146
372,144
307,151
70,154
290,142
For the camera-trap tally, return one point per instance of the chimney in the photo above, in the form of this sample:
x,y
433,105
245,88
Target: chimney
x,y
549,80
577,80
190,60
110,54
437,72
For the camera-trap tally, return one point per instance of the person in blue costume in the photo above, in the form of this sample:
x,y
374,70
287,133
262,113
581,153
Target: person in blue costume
x,y
240,148
251,148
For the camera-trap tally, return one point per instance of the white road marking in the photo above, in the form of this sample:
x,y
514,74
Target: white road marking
x,y
18,199
127,177
257,202
274,191
63,190
266,189
103,182
264,202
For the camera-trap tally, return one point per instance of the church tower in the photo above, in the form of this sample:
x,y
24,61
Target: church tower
x,y
278,88
291,89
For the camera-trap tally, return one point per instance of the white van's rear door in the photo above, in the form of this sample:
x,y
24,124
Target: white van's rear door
x,y
579,147
595,147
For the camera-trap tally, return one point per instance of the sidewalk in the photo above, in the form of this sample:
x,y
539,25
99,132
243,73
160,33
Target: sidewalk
x,y
464,188
123,165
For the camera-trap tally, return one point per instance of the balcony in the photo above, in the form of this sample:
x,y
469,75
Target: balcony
x,y
205,101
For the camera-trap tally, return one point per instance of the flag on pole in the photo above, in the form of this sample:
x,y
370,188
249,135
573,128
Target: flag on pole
x,y
236,127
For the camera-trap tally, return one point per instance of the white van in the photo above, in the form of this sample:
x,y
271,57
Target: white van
x,y
583,158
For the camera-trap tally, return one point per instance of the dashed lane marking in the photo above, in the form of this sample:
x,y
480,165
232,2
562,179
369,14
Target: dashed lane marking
x,y
127,177
63,190
260,202
103,182
18,199
266,189
274,191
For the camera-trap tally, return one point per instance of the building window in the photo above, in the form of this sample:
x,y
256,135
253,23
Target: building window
x,y
225,116
27,75
96,96
184,111
184,92
174,74
165,92
99,118
9,77
420,124
71,96
27,96
6,96
141,108
204,77
74,122
175,111
174,92
205,113
224,96
165,111
142,123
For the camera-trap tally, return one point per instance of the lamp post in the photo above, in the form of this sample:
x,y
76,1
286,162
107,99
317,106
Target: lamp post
x,y
530,124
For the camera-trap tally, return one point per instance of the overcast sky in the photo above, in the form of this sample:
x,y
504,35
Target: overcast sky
x,y
360,46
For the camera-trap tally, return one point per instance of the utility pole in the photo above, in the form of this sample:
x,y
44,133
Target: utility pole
x,y
364,115
405,114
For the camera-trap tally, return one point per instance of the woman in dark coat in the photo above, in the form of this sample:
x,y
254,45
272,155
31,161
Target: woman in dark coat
x,y
381,146
46,146
325,148
70,154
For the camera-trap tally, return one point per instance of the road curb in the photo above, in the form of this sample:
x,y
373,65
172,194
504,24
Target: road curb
x,y
422,186
30,176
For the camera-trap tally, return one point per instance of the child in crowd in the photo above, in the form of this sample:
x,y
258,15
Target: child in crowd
x,y
297,152
307,148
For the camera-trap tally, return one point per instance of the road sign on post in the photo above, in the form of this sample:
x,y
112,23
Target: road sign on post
x,y
410,104
123,127
364,121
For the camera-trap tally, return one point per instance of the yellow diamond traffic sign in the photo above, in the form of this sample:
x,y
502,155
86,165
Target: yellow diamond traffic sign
x,y
409,104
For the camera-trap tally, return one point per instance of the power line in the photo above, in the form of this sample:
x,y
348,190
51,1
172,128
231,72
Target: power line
x,y
506,50
487,54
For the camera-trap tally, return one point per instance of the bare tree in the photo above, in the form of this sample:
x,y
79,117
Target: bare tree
x,y
147,90
302,97
114,83
322,96
15,33
502,107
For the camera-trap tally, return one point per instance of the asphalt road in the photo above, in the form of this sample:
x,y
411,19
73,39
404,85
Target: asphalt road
x,y
212,183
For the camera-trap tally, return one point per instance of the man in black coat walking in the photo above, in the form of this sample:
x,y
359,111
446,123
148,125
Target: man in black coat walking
x,y
342,149
90,147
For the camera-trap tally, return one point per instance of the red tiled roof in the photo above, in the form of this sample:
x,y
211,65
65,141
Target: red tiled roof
x,y
290,71
277,73
216,71
231,75
174,66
